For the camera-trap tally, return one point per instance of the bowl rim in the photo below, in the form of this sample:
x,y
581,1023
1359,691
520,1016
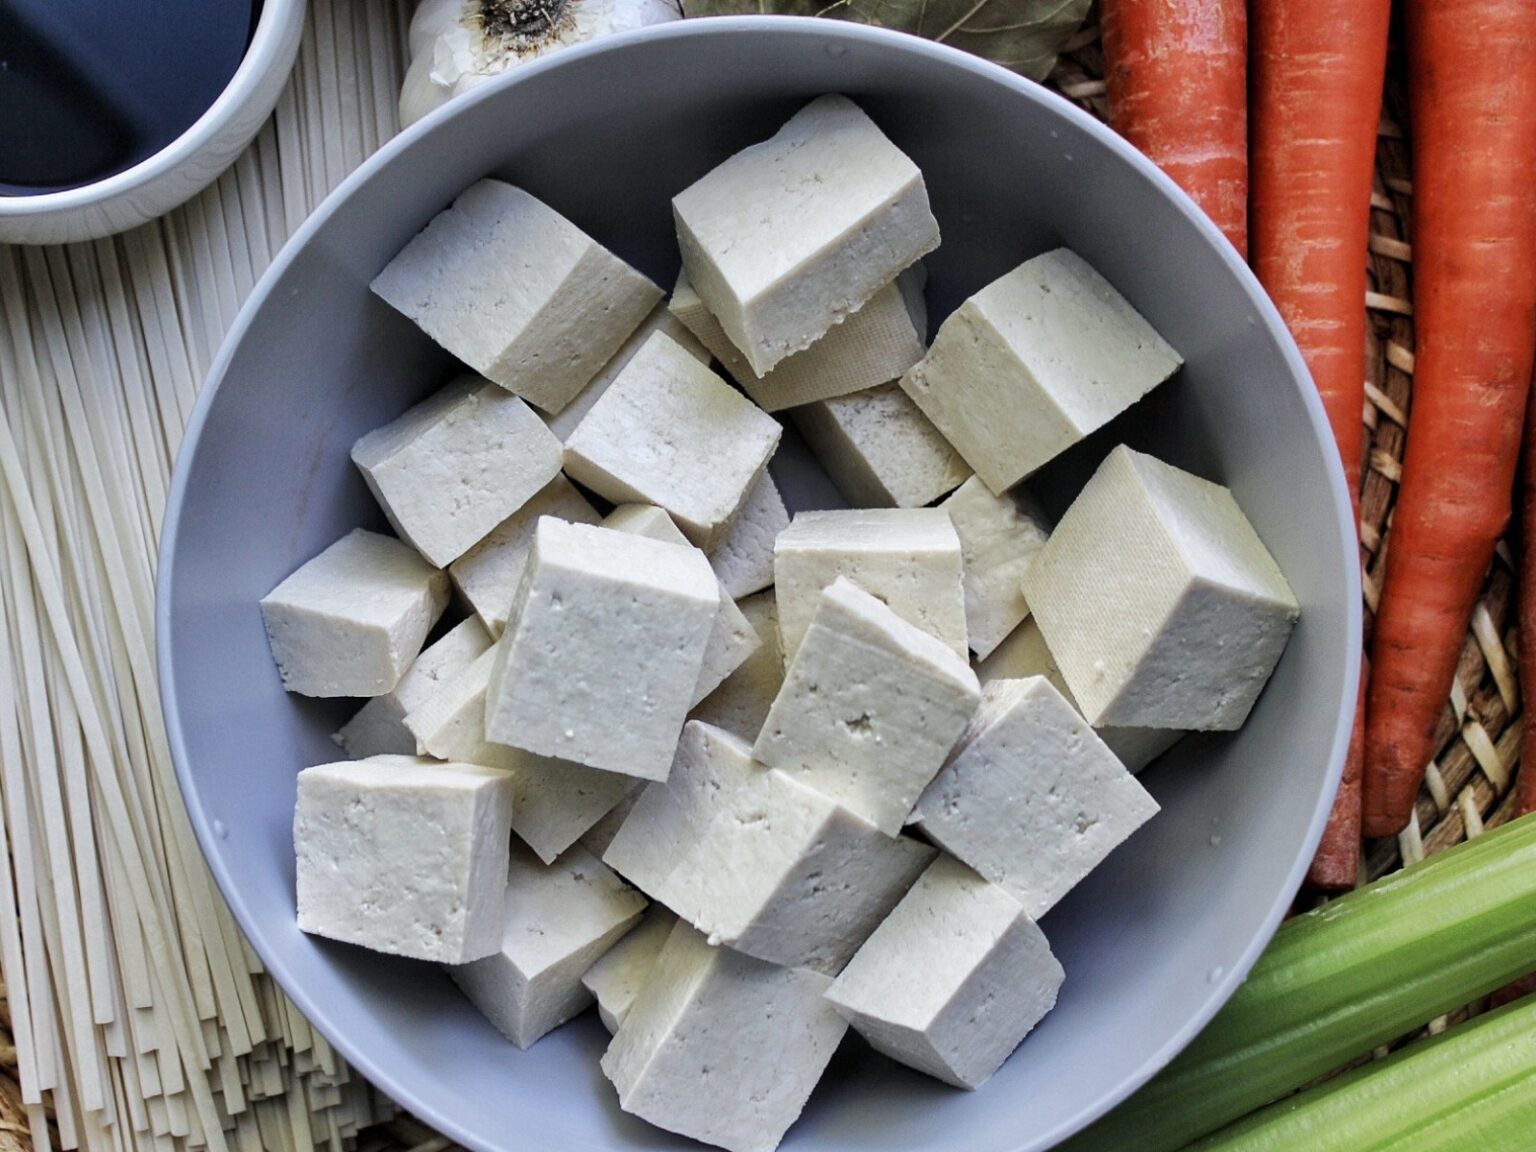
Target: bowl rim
x,y
821,30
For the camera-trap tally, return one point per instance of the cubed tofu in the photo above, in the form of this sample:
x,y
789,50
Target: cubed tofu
x,y
597,838
1159,601
870,708
741,703
793,235
488,574
1031,798
908,557
999,539
1034,362
744,558
662,320
1024,653
518,292
953,979
607,638
757,860
723,1048
351,621
618,975
560,918
880,450
457,465
670,432
733,639
404,856
379,728
873,346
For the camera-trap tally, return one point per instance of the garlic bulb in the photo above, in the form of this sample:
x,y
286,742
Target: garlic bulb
x,y
458,44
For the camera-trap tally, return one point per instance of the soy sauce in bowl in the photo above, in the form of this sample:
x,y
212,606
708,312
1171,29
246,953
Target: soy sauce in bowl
x,y
89,88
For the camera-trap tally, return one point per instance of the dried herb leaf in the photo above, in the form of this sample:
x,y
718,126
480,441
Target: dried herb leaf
x,y
1024,35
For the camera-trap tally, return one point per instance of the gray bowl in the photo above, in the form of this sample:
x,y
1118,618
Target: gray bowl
x,y
1153,942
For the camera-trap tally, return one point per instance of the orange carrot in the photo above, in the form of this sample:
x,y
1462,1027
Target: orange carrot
x,y
1472,87
1525,782
1177,77
1336,864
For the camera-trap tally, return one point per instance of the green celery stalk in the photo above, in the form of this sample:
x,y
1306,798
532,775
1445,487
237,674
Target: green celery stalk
x,y
1338,981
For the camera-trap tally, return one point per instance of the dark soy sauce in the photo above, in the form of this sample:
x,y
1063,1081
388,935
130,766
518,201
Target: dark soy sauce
x,y
89,88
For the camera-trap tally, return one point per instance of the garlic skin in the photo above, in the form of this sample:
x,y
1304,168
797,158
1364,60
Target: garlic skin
x,y
453,50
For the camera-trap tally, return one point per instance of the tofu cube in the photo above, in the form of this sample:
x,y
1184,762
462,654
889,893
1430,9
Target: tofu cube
x,y
757,860
1159,600
743,559
560,918
999,539
1031,798
597,838
605,646
741,703
351,621
791,236
723,1048
618,975
379,728
404,856
518,292
953,980
873,346
488,574
870,708
880,450
908,557
457,465
670,432
1033,363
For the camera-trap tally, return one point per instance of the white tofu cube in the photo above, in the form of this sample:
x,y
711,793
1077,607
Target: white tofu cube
x,y
351,621
488,574
733,639
758,860
560,917
723,1048
908,557
999,538
670,432
607,638
1024,653
379,728
518,292
870,708
618,975
597,838
953,980
1159,600
880,450
744,558
403,855
1034,362
1031,798
793,235
741,703
457,465
873,346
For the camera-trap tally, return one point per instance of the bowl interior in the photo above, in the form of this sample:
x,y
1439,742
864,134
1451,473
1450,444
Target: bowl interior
x,y
1152,942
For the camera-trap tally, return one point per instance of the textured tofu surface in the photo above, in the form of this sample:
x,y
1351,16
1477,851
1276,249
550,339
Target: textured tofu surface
x,y
403,855
518,293
741,703
1033,363
870,708
670,432
351,621
1159,601
721,1047
999,539
1031,798
953,979
743,559
559,919
618,975
792,235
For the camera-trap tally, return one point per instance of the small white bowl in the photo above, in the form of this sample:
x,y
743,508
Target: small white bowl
x,y
186,165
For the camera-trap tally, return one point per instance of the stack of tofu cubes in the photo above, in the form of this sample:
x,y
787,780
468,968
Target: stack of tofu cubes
x,y
747,781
